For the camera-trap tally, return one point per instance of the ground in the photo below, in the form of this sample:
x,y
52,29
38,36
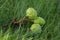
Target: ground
x,y
48,9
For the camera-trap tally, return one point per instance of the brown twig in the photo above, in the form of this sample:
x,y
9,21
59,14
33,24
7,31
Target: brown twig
x,y
21,21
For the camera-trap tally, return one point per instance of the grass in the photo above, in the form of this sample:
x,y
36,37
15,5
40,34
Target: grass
x,y
48,9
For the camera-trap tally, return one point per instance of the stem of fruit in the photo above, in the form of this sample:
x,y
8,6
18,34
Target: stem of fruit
x,y
21,21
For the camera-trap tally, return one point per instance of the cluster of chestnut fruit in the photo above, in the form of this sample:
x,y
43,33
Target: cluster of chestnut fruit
x,y
38,22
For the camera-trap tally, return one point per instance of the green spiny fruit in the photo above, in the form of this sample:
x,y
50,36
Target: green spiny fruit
x,y
36,28
39,20
31,13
